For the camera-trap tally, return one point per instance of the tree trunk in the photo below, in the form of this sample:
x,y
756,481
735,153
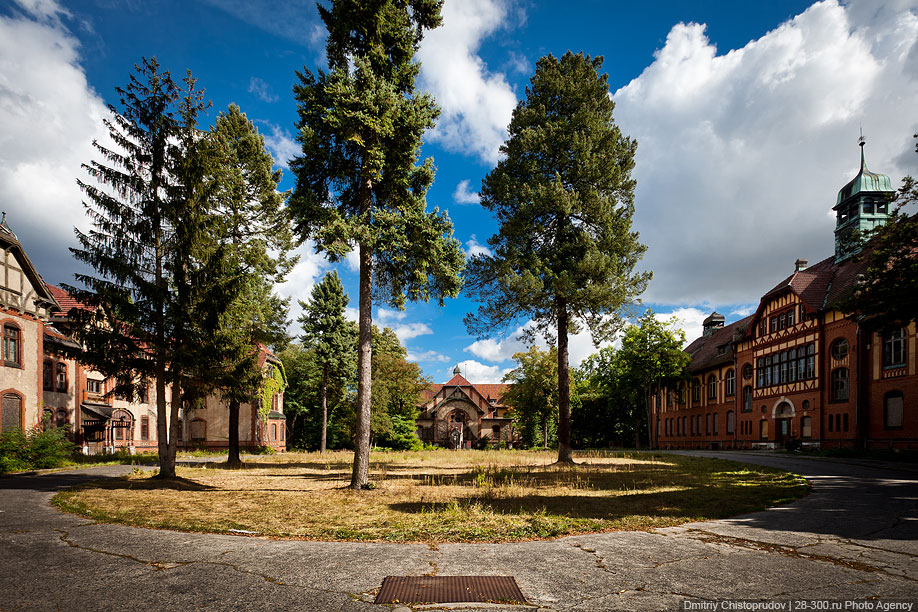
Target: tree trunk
x,y
637,428
564,388
544,431
324,407
360,476
167,463
652,433
233,459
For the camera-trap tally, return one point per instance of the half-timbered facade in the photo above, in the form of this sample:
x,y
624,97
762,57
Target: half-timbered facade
x,y
799,371
460,414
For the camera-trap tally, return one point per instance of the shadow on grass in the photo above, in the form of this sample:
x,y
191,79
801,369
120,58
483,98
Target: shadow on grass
x,y
153,484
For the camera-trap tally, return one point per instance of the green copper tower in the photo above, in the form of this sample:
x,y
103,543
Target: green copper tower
x,y
862,205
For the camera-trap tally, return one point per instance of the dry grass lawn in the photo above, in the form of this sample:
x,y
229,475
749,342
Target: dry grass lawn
x,y
439,496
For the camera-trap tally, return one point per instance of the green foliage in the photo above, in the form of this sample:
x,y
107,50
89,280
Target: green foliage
x,y
564,197
533,396
402,435
888,293
41,448
274,382
325,328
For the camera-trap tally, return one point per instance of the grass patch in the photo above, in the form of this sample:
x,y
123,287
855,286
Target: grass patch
x,y
439,496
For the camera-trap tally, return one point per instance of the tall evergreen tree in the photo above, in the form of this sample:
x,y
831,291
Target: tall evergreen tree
x,y
255,230
358,183
564,198
160,283
330,335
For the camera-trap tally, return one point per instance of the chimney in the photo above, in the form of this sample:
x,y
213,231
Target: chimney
x,y
800,265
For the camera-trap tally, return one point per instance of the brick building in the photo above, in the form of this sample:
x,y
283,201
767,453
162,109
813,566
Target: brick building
x,y
460,414
798,369
41,386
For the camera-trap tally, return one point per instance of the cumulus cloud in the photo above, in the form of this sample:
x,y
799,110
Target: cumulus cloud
x,y
302,277
689,320
580,346
477,372
476,103
281,144
261,90
49,116
464,195
395,320
741,154
352,259
473,247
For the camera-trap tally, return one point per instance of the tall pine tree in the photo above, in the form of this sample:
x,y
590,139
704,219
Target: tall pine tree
x,y
160,282
330,335
255,230
358,183
564,253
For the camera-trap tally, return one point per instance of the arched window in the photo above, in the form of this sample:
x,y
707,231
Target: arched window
x,y
731,422
273,432
682,393
696,390
806,427
893,403
747,398
12,353
12,412
122,425
716,423
730,383
894,349
712,387
840,349
840,385
61,417
763,429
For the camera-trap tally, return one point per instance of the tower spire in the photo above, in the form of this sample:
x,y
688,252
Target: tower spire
x,y
861,141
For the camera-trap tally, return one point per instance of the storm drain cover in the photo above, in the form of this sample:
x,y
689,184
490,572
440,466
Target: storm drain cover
x,y
449,589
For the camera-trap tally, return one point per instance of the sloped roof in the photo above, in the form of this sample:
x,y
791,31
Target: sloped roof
x,y
54,336
9,241
704,350
66,301
478,394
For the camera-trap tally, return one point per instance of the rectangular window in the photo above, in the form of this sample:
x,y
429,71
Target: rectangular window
x,y
144,428
763,430
782,321
93,385
831,428
717,422
773,324
790,317
892,411
806,427
61,377
47,376
840,385
845,422
696,391
894,349
11,345
707,425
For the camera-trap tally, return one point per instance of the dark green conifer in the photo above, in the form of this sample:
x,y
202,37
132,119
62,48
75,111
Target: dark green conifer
x,y
358,183
564,198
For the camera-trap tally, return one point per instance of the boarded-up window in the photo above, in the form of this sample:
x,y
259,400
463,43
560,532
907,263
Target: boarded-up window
x,y
806,427
763,429
892,410
61,417
12,412
198,429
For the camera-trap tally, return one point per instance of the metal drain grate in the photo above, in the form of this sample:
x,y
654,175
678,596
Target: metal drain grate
x,y
449,589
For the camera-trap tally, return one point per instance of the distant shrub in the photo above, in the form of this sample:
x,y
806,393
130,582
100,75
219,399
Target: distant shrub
x,y
41,448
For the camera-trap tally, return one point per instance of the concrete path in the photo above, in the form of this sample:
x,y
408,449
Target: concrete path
x,y
855,537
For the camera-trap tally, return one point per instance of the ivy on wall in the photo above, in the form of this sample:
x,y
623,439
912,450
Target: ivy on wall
x,y
275,382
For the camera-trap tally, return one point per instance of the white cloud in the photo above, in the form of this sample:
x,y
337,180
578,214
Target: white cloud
x,y
352,314
301,279
262,90
688,319
743,311
352,259
463,195
394,319
386,316
741,155
281,144
427,357
473,247
478,373
476,104
49,116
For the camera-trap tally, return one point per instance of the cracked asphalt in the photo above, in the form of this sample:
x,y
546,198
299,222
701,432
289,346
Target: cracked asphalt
x,y
855,537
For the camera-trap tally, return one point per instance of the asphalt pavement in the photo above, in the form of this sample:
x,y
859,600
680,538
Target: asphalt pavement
x,y
852,544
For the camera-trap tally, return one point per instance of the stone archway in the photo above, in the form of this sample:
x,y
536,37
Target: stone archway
x,y
783,413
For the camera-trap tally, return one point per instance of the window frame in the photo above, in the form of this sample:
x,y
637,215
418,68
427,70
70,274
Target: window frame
x,y
12,338
712,386
730,383
839,349
840,385
60,377
894,349
894,394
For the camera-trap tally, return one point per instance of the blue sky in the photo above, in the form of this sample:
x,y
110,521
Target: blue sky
x,y
746,116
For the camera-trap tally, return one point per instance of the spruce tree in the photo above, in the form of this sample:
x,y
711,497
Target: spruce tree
x,y
358,183
159,285
564,197
330,335
255,230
